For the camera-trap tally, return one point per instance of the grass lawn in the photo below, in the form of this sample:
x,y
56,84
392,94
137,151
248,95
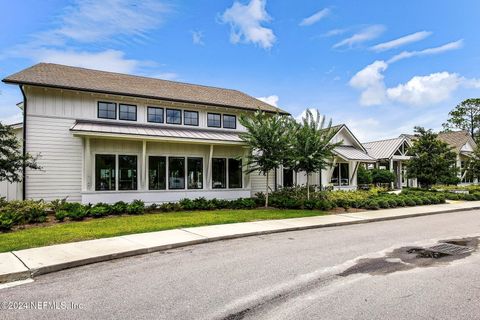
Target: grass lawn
x,y
117,226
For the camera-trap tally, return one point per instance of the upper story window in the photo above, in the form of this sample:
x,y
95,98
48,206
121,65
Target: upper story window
x,y
190,118
155,115
107,110
229,121
214,120
127,112
174,116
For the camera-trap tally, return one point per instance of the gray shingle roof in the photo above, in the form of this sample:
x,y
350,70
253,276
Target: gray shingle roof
x,y
383,149
457,139
66,77
114,128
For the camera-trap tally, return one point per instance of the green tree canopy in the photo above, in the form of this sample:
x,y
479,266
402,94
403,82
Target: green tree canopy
x,y
364,176
382,176
12,159
473,165
432,161
267,137
465,116
312,149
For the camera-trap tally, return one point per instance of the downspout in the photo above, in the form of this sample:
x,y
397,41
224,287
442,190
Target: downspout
x,y
24,167
275,184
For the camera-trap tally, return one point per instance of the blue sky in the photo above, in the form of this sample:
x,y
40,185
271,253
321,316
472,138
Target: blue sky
x,y
381,67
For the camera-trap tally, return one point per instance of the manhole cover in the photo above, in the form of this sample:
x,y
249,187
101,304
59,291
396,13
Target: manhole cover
x,y
450,249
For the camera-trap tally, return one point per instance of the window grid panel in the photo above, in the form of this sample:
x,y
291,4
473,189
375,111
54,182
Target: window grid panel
x,y
190,118
214,120
174,116
229,121
155,114
128,112
107,110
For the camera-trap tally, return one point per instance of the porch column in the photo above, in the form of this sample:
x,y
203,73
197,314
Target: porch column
x,y
392,184
144,166
246,177
87,166
209,168
400,175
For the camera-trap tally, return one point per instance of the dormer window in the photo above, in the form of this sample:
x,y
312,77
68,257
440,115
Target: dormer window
x,y
229,121
190,118
214,120
174,116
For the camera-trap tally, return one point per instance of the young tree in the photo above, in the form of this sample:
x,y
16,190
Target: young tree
x,y
364,176
382,176
12,159
432,161
465,116
267,137
312,149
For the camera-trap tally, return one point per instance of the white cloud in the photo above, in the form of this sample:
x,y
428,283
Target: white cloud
x,y
430,51
108,60
272,100
414,37
425,90
334,32
315,113
365,34
197,38
15,118
92,20
370,81
315,17
165,76
245,23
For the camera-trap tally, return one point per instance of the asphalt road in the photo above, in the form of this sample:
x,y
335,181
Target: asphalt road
x,y
351,272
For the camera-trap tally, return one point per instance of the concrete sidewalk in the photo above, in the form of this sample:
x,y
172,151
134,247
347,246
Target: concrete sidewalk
x,y
23,264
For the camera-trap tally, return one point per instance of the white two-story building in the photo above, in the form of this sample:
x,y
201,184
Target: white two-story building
x,y
104,137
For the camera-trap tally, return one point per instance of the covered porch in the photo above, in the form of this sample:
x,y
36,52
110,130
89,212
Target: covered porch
x,y
155,164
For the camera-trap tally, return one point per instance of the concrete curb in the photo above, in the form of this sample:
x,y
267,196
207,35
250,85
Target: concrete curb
x,y
31,272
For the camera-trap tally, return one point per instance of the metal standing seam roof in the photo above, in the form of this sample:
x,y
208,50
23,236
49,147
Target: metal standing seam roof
x,y
383,149
154,131
351,153
457,139
81,79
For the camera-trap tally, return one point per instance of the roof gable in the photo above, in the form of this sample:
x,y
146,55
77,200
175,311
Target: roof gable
x,y
345,134
385,149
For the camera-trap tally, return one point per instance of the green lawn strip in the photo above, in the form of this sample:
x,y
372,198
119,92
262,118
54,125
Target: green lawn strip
x,y
117,226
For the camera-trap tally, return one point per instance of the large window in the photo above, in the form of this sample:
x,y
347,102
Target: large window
x,y
229,122
157,173
214,120
127,112
107,110
155,115
104,172
195,173
287,178
176,173
219,173
174,116
190,118
127,172
340,176
234,173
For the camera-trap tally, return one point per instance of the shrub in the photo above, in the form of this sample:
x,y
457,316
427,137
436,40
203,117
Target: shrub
x,y
382,176
470,197
426,200
29,211
99,210
392,203
60,215
452,196
372,205
78,213
410,202
136,207
170,206
364,176
8,219
324,205
242,203
119,207
417,201
383,204
309,204
400,202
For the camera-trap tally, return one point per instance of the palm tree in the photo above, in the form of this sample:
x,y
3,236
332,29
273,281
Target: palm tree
x,y
267,138
312,149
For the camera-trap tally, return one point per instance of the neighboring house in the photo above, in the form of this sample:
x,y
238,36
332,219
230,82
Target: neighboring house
x,y
391,154
342,175
105,137
463,145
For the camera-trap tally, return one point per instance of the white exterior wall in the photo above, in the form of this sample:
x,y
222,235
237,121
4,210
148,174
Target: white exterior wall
x,y
12,191
52,112
259,182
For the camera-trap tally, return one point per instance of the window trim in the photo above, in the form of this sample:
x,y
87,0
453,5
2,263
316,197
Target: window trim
x,y
228,173
94,167
188,124
98,109
218,114
229,115
128,105
148,171
184,172
166,116
152,107
137,173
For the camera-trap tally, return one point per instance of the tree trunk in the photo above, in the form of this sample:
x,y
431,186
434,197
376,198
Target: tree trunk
x,y
308,188
266,194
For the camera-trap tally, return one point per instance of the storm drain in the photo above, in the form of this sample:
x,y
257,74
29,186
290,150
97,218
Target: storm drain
x,y
441,250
